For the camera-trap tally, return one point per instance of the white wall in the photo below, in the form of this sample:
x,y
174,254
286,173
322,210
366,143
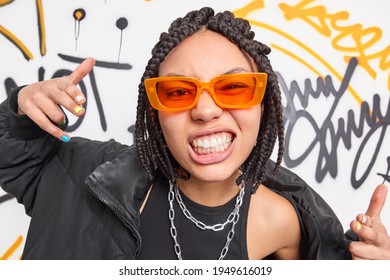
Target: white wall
x,y
316,42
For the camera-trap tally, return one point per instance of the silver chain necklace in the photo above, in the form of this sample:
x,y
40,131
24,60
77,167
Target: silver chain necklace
x,y
232,218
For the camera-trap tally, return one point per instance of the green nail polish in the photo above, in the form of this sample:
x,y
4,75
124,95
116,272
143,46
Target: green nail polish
x,y
65,138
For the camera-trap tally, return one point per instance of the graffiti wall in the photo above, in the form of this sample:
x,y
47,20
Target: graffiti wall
x,y
332,58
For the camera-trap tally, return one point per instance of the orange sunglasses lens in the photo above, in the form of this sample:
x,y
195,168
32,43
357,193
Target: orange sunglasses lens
x,y
237,90
176,93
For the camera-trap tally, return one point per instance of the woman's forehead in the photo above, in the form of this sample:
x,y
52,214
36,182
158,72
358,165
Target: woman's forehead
x,y
205,54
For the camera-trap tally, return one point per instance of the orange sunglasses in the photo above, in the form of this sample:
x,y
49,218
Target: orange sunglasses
x,y
231,91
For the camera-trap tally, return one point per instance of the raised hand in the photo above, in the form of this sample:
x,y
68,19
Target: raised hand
x,y
39,101
374,240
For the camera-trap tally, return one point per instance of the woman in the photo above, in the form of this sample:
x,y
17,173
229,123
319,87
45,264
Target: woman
x,y
199,182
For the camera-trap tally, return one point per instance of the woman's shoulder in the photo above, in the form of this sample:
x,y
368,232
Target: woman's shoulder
x,y
273,207
270,217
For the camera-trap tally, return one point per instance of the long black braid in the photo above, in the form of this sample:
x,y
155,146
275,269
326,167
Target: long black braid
x,y
151,147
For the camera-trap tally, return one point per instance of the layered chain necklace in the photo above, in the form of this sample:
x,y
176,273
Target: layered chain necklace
x,y
232,219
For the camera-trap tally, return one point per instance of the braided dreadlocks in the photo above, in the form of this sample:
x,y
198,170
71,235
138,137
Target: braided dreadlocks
x,y
152,150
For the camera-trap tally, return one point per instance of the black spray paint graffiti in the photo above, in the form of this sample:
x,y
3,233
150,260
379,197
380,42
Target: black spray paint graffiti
x,y
121,23
327,159
5,197
10,84
386,177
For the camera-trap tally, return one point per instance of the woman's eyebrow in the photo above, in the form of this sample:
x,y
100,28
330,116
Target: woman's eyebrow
x,y
174,75
236,70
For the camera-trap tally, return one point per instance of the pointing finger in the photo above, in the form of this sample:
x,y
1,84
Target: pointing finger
x,y
377,201
81,71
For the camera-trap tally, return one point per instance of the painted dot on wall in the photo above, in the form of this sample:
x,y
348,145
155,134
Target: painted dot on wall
x,y
78,15
121,23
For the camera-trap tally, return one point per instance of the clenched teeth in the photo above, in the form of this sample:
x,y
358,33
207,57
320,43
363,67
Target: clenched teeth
x,y
211,144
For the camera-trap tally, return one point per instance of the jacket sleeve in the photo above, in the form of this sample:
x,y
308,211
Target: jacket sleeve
x,y
28,153
322,233
23,148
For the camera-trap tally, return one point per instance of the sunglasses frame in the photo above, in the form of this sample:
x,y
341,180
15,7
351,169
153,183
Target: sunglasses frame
x,y
261,83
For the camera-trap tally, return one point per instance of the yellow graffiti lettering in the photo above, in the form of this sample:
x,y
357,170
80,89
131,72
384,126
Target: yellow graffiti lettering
x,y
384,62
5,2
12,249
297,58
325,23
363,39
19,44
314,16
251,6
41,28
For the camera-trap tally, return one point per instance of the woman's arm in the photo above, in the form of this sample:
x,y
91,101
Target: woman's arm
x,y
29,119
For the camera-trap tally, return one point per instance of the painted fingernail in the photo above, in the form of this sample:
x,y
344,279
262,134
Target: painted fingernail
x,y
358,226
79,98
63,122
78,109
65,138
364,219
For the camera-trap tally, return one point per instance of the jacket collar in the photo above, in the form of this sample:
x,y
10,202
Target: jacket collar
x,y
121,182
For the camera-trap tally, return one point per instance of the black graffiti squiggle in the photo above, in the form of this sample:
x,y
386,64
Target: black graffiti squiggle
x,y
5,198
327,161
386,176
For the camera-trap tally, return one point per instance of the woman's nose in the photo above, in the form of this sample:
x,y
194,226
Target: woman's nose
x,y
206,109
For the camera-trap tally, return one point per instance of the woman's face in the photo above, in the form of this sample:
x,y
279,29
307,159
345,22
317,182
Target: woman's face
x,y
225,136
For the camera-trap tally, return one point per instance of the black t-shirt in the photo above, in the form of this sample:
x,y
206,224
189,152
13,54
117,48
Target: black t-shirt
x,y
195,243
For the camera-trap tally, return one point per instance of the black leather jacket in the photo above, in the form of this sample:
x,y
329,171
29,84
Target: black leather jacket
x,y
84,196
